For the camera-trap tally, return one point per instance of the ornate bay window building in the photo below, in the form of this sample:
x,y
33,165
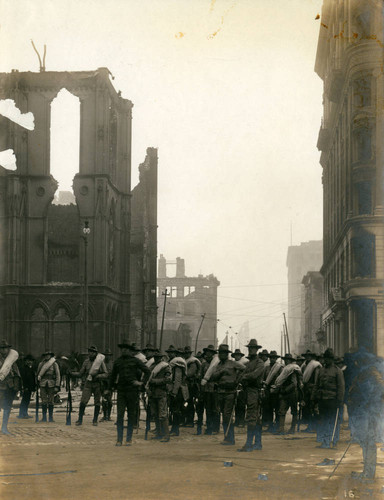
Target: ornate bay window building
x,y
349,60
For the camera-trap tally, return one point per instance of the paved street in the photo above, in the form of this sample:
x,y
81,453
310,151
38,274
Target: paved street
x,y
48,461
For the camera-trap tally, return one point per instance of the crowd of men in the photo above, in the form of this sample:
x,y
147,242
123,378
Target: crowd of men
x,y
177,388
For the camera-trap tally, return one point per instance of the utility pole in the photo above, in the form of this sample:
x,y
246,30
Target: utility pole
x,y
286,331
198,331
165,293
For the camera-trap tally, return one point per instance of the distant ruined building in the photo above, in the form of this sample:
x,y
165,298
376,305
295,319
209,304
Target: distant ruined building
x,y
349,60
42,268
188,299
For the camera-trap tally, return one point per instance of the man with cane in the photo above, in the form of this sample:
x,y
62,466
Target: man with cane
x,y
227,375
252,381
329,393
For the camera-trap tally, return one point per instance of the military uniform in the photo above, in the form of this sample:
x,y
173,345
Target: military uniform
x,y
49,383
125,377
9,385
252,381
193,382
209,395
226,376
177,388
289,385
91,387
328,392
158,381
28,376
270,375
106,388
310,409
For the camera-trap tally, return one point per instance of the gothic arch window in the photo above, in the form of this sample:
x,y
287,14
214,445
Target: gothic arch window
x,y
39,331
61,341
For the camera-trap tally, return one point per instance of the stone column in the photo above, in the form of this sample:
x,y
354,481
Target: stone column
x,y
380,328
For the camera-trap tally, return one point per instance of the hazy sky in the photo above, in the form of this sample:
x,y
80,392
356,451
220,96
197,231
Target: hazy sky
x,y
226,90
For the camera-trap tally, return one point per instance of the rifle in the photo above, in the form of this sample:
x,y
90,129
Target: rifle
x,y
37,403
231,420
148,418
69,401
300,417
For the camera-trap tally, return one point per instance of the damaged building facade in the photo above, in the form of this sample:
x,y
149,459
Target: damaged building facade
x,y
51,268
188,300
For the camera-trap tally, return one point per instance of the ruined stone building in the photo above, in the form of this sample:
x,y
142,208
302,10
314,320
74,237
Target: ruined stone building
x,y
188,299
42,244
308,256
144,252
349,60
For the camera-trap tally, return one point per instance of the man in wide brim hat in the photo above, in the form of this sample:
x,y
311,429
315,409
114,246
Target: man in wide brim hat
x,y
252,381
273,354
210,348
171,349
106,401
253,343
92,348
125,344
48,379
226,375
237,354
288,357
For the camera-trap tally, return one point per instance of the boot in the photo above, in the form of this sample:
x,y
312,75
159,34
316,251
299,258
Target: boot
x,y
198,430
129,433
50,412
105,412
175,426
96,415
230,439
216,423
292,429
109,412
44,410
165,431
257,435
281,425
158,430
249,441
81,414
4,427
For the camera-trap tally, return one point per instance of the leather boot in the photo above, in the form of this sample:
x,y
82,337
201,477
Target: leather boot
x,y
165,431
44,410
105,412
257,434
50,412
129,433
4,427
292,429
109,412
81,414
96,414
158,430
175,426
281,430
249,442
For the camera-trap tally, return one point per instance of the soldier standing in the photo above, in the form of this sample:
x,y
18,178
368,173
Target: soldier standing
x,y
178,390
28,377
289,385
270,376
193,382
48,379
125,377
92,372
10,381
328,392
237,355
106,388
227,375
208,392
157,384
252,381
309,377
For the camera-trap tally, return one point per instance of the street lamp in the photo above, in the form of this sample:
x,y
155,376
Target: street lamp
x,y
86,233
